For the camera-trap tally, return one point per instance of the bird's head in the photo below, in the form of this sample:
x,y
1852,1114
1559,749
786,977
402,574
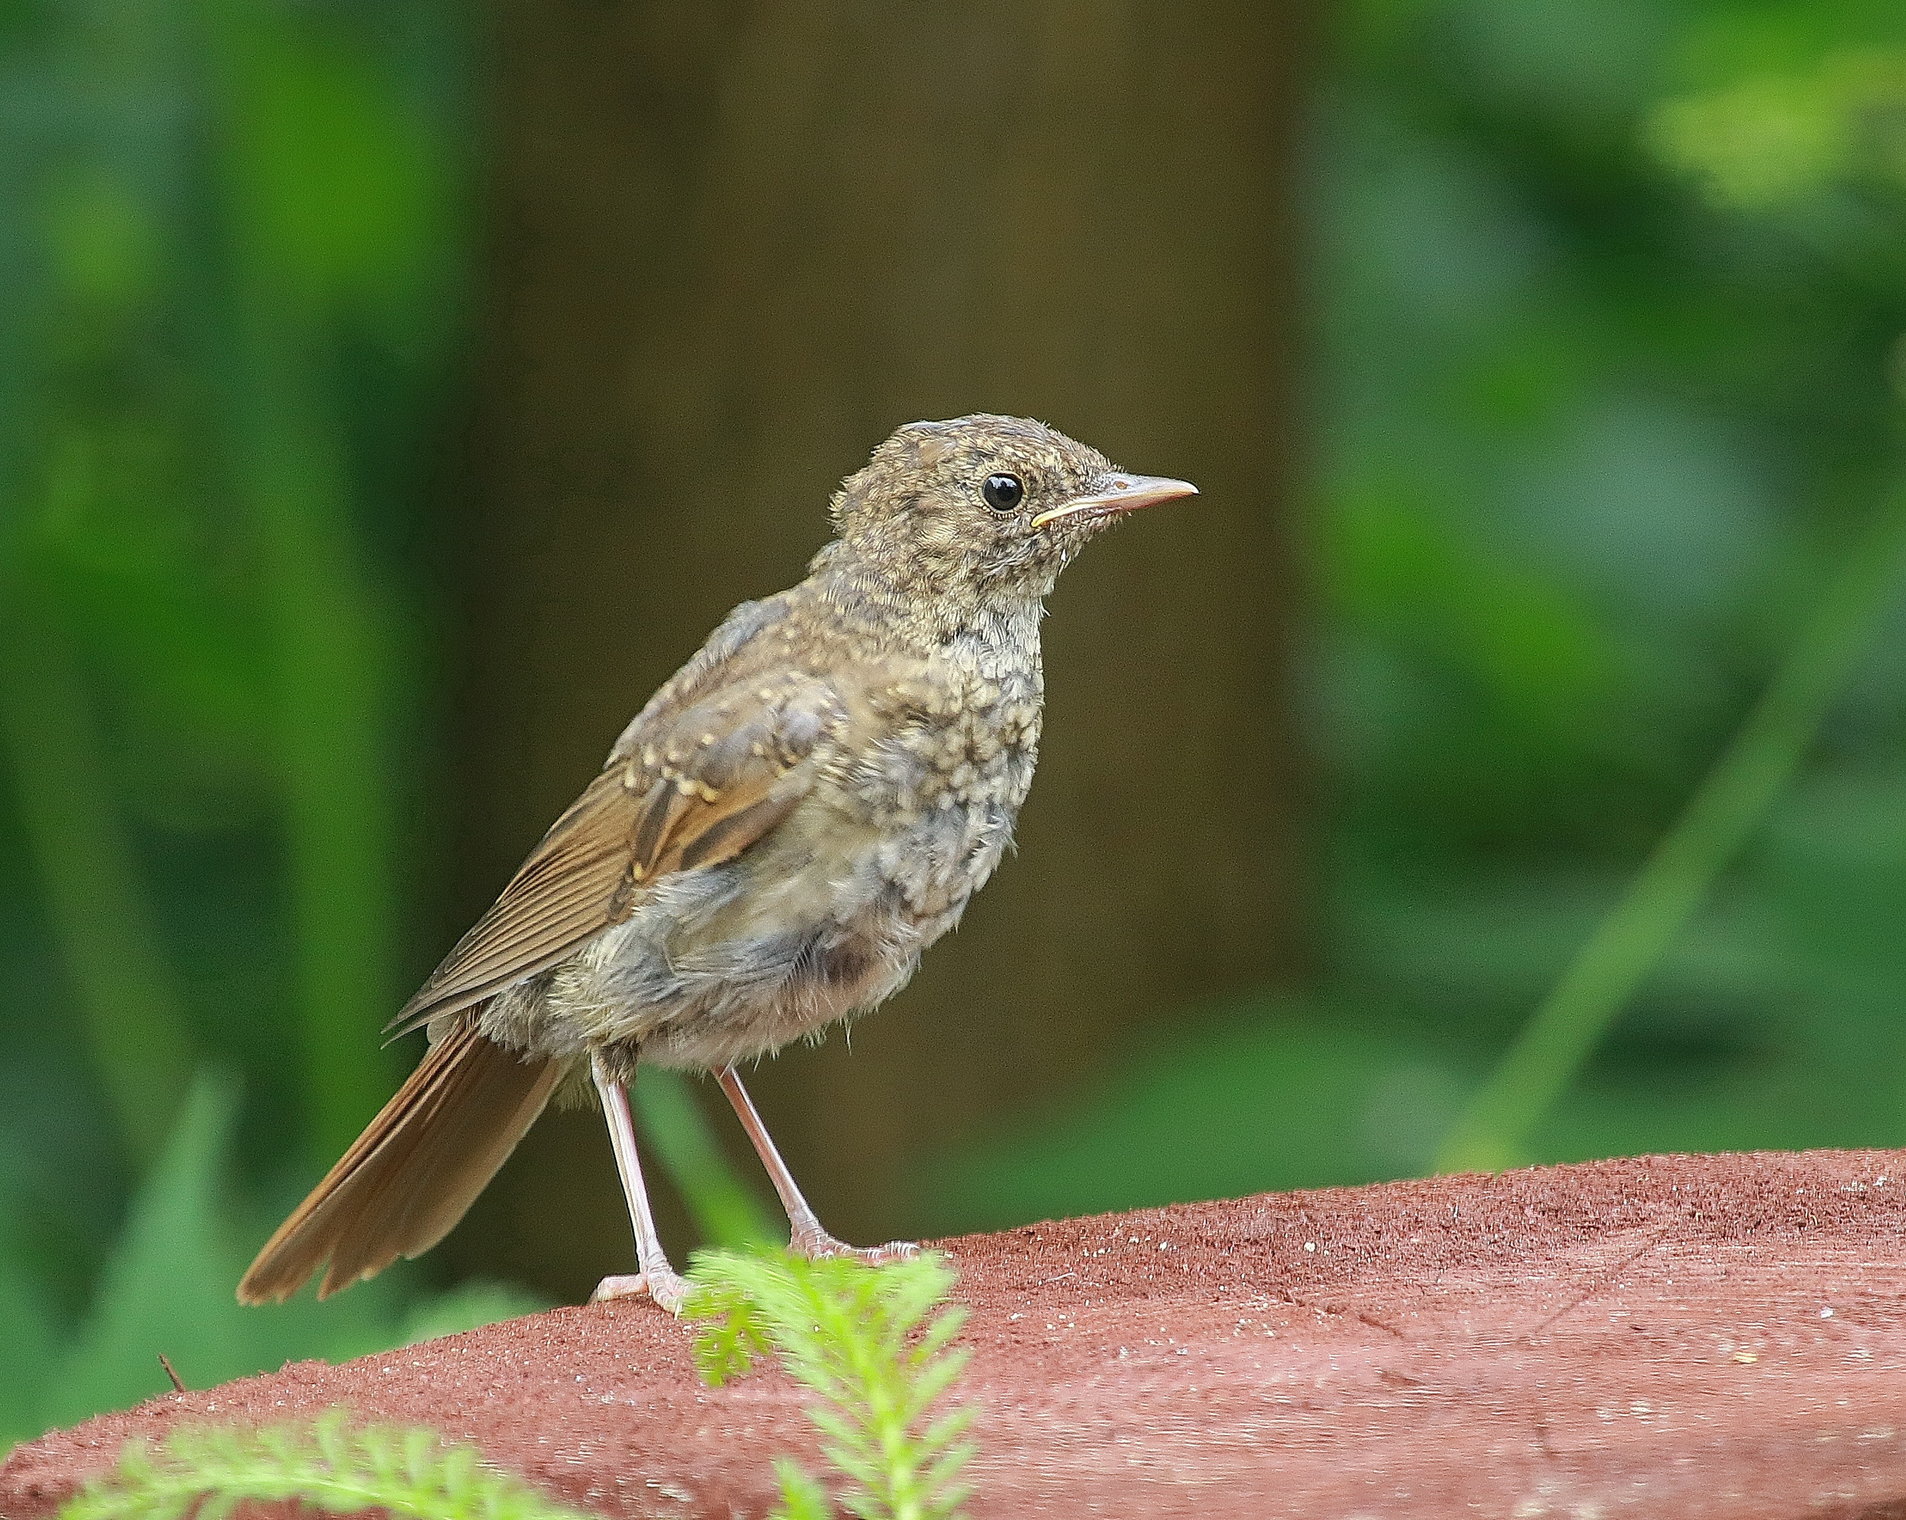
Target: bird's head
x,y
991,506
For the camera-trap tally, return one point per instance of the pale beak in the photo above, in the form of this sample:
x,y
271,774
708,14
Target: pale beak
x,y
1122,493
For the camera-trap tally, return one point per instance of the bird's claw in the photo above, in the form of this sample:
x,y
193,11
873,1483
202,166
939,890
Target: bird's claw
x,y
668,1289
817,1245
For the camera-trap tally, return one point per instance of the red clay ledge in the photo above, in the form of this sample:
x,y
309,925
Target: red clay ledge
x,y
1681,1336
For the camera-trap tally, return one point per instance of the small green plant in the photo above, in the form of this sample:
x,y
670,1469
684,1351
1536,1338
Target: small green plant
x,y
868,1342
206,1471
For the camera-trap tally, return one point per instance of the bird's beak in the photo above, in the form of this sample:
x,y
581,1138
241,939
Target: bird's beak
x,y
1122,493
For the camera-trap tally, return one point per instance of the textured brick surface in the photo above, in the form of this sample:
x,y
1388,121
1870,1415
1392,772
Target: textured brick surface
x,y
1676,1336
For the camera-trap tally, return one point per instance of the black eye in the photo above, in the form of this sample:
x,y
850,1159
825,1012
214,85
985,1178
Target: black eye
x,y
1003,492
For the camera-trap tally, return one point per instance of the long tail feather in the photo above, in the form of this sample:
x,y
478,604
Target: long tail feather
x,y
415,1170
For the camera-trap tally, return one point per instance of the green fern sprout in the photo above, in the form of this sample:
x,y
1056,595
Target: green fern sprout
x,y
204,1472
867,1341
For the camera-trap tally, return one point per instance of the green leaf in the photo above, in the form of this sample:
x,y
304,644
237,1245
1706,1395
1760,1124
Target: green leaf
x,y
28,1350
1777,139
802,1496
167,1286
867,1342
333,1466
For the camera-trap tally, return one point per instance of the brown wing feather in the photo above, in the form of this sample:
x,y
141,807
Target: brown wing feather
x,y
707,769
560,897
413,1172
682,793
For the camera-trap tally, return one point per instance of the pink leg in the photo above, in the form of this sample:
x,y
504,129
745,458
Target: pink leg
x,y
805,1235
657,1278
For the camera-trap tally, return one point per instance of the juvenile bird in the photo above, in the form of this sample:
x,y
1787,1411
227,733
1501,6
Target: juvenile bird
x,y
794,817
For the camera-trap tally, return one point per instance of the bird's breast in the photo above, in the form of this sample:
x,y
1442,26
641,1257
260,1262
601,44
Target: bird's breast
x,y
941,788
912,804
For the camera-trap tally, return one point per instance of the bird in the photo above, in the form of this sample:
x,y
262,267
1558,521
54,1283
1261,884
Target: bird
x,y
795,816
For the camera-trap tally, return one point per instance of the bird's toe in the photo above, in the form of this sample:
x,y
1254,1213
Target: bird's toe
x,y
667,1289
819,1245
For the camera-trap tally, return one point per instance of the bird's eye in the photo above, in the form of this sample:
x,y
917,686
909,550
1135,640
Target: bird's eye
x,y
1003,492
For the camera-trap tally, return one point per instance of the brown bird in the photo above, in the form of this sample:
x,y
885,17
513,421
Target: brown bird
x,y
794,817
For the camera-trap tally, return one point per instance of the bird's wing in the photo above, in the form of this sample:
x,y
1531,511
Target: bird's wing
x,y
685,788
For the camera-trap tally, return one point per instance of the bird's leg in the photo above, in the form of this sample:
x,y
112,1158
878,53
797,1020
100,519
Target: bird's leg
x,y
657,1278
805,1235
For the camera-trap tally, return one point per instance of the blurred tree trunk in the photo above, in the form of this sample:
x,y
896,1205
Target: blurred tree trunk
x,y
733,246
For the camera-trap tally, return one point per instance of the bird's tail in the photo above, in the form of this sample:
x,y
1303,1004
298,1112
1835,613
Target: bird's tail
x,y
413,1172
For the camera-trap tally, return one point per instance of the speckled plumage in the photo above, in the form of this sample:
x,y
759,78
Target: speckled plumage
x,y
781,832
904,766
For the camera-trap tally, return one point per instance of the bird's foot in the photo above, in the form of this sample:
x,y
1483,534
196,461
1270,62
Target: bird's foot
x,y
816,1244
668,1288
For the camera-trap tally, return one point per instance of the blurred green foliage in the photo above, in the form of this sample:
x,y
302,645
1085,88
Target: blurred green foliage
x,y
229,288
166,1288
232,266
232,288
1779,141
1610,549
1610,303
